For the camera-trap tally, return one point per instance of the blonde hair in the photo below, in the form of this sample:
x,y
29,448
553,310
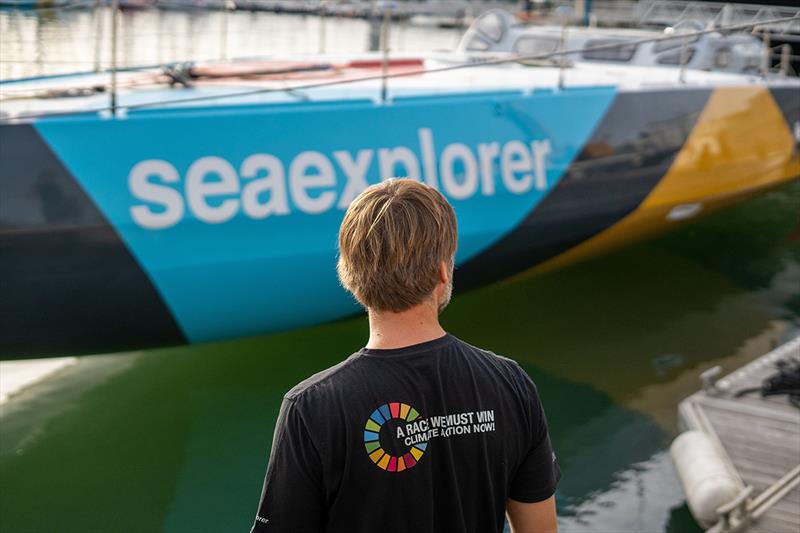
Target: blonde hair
x,y
392,240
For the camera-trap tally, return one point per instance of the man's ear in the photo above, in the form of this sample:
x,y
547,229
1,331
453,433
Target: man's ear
x,y
444,272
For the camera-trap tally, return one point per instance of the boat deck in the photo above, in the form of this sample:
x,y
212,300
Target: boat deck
x,y
761,437
333,78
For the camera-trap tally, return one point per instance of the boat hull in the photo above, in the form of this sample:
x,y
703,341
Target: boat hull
x,y
190,225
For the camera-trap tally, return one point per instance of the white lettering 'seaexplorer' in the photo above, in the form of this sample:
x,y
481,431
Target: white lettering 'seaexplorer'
x,y
215,192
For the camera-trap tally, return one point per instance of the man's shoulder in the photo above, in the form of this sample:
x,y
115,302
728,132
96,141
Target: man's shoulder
x,y
321,381
500,362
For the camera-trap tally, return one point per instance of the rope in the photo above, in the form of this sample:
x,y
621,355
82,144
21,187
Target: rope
x,y
494,61
785,381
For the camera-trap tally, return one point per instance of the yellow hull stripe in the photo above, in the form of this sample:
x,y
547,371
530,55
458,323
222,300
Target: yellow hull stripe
x,y
740,146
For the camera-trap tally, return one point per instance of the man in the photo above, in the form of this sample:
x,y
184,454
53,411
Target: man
x,y
418,431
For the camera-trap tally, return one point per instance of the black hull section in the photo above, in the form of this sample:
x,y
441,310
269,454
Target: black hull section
x,y
97,298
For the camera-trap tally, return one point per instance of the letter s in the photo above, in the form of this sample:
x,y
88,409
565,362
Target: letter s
x,y
142,188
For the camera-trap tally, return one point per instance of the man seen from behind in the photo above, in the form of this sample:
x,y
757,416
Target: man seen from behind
x,y
418,431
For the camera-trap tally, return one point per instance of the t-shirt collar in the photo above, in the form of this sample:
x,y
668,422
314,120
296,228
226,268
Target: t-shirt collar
x,y
414,348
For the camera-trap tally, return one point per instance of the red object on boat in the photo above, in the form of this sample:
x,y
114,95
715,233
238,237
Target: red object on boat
x,y
378,63
247,69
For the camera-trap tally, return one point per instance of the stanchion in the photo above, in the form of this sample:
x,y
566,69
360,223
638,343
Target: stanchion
x,y
387,14
114,24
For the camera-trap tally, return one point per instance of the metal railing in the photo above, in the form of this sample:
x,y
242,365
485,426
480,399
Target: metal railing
x,y
669,13
561,54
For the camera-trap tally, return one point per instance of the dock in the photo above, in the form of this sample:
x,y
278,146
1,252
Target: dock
x,y
758,440
16,376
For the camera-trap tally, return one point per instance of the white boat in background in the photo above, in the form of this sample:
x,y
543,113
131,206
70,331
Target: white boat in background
x,y
498,31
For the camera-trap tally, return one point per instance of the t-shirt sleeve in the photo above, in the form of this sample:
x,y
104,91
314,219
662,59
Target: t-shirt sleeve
x,y
538,474
292,498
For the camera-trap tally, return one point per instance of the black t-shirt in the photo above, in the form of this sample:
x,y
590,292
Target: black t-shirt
x,y
430,437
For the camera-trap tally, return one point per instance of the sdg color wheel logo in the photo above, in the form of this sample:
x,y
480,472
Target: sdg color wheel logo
x,y
398,413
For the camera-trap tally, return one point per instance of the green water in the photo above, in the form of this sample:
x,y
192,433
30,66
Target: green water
x,y
177,439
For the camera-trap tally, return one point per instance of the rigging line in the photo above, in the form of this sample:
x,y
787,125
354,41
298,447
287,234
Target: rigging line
x,y
124,69
460,66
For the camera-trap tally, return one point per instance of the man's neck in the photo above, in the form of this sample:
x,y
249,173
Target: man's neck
x,y
389,330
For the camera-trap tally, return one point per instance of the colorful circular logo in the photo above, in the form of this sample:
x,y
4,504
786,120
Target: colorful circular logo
x,y
372,439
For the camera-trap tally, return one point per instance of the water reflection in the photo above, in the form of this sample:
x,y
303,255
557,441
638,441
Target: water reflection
x,y
177,439
59,41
